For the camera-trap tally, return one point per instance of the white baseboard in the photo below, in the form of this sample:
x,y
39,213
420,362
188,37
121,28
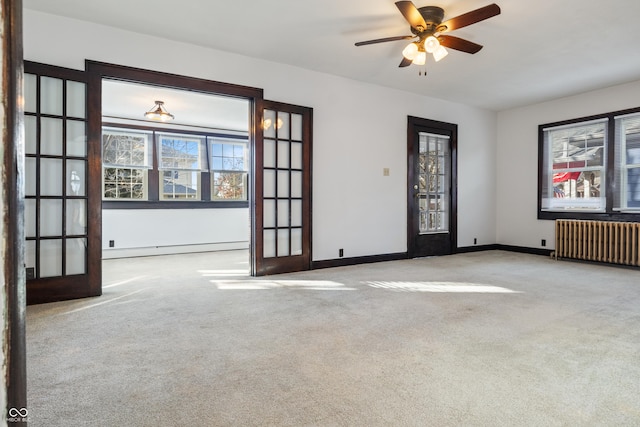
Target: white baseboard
x,y
111,253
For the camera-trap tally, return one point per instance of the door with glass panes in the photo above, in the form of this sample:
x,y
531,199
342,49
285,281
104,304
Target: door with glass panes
x,y
282,238
431,187
60,237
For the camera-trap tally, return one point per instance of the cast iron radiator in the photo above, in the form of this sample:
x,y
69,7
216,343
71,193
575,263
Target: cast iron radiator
x,y
604,241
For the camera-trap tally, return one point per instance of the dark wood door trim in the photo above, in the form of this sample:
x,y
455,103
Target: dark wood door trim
x,y
255,190
99,70
176,81
415,125
14,350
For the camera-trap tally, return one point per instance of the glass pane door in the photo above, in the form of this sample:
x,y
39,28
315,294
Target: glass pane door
x,y
432,207
56,179
286,189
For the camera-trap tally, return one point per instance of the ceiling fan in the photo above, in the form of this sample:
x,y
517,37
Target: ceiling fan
x,y
428,28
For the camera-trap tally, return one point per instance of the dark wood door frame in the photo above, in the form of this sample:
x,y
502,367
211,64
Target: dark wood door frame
x,y
14,349
99,70
416,125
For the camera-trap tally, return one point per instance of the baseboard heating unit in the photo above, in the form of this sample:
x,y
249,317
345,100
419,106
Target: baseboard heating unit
x,y
602,241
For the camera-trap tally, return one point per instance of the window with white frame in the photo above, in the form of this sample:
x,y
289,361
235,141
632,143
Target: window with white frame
x,y
126,159
573,170
228,169
627,162
181,159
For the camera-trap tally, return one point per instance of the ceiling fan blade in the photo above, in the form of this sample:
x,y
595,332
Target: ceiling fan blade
x,y
405,62
459,44
411,14
469,18
386,39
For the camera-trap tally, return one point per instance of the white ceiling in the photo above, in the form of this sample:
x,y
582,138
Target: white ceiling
x,y
124,100
533,51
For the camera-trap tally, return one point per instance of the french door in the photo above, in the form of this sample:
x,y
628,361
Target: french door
x,y
432,192
63,178
62,247
282,185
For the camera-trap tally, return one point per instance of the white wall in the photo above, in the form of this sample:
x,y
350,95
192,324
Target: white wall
x,y
163,231
359,129
517,188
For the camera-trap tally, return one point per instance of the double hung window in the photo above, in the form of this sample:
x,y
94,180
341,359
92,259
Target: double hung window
x,y
181,161
628,162
126,160
228,169
590,168
574,163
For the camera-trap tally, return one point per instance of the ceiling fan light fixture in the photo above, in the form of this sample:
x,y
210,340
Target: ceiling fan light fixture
x,y
431,44
159,113
421,58
411,51
427,25
440,53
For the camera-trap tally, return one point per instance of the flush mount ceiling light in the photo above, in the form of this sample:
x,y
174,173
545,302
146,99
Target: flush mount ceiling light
x,y
159,112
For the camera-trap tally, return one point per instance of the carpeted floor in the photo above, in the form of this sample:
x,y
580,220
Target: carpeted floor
x,y
480,339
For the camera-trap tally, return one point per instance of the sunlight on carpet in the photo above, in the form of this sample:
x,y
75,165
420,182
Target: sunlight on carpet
x,y
225,273
316,285
440,287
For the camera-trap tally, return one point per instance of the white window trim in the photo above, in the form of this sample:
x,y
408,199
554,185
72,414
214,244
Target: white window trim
x,y
624,166
144,167
243,172
571,204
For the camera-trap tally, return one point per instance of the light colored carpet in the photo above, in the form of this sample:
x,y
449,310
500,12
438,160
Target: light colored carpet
x,y
480,339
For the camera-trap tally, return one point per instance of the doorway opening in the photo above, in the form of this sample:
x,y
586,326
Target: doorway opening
x,y
159,184
175,186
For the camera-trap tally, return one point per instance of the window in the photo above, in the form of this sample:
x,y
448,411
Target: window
x,y
181,160
590,168
433,183
125,164
228,169
574,160
628,162
180,167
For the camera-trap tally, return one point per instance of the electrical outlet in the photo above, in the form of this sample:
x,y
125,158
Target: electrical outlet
x,y
112,243
543,242
385,171
340,253
31,273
